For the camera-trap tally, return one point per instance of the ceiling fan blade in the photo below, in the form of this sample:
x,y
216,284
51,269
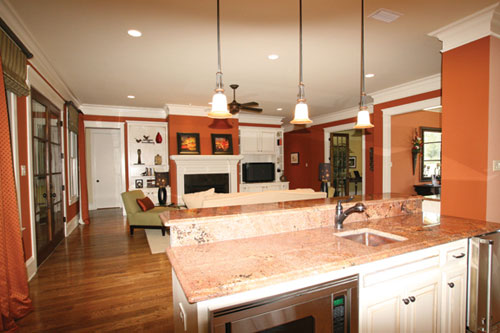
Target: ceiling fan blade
x,y
251,109
250,104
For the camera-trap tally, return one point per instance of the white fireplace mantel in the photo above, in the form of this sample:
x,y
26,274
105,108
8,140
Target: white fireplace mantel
x,y
202,164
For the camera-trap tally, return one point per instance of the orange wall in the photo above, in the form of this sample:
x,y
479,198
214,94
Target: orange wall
x,y
205,127
22,142
402,130
309,143
465,82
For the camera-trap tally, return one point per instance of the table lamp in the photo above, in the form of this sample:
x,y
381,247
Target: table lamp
x,y
324,176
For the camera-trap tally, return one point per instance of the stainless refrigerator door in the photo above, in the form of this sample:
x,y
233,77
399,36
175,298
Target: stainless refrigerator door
x,y
495,274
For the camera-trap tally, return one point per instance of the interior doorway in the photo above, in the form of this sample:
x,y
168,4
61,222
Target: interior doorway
x,y
104,167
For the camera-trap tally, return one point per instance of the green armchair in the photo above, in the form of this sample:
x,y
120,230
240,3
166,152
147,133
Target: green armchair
x,y
139,219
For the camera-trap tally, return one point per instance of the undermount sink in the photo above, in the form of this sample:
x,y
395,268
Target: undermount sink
x,y
370,237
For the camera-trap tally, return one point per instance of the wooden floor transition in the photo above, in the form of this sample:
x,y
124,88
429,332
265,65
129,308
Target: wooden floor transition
x,y
102,279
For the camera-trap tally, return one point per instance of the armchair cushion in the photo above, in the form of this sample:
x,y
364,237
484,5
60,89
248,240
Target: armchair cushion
x,y
145,204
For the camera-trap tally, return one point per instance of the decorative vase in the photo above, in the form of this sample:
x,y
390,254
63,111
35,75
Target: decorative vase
x,y
414,155
162,196
158,138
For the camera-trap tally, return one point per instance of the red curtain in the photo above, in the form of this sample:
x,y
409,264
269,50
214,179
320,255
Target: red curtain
x,y
84,199
14,294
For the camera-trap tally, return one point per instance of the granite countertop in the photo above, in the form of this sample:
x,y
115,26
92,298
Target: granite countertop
x,y
211,270
172,217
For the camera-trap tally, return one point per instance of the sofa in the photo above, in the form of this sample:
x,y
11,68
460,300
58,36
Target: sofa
x,y
209,198
142,219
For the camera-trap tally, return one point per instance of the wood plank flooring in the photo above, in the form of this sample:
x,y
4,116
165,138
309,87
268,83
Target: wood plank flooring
x,y
102,279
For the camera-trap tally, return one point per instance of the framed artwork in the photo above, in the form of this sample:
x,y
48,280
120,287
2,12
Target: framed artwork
x,y
139,183
352,162
222,144
188,143
294,158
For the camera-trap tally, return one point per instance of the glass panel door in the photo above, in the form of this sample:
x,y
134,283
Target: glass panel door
x,y
47,175
339,160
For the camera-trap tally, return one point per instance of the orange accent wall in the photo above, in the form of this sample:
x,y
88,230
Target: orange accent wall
x,y
205,127
309,143
374,181
402,131
465,84
22,142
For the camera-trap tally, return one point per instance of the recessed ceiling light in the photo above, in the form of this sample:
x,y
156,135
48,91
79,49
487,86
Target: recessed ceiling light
x,y
279,109
385,15
131,96
273,57
134,33
370,75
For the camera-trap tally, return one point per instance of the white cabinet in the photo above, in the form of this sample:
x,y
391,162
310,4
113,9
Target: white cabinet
x,y
258,140
147,154
261,187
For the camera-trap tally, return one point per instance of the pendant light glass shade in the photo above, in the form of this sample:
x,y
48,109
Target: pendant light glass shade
x,y
219,100
363,120
301,114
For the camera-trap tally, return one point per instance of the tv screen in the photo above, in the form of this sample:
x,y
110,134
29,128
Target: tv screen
x,y
258,172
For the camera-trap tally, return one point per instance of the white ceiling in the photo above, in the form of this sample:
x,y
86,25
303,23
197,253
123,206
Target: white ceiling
x,y
175,61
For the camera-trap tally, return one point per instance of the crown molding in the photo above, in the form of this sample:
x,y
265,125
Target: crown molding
x,y
420,86
252,118
122,111
36,81
39,60
485,22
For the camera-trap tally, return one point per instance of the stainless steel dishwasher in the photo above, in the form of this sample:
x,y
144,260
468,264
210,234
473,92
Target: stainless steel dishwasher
x,y
327,307
484,283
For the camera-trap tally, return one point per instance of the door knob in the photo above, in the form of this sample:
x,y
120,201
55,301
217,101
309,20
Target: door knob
x,y
53,195
406,301
412,298
44,195
451,284
97,181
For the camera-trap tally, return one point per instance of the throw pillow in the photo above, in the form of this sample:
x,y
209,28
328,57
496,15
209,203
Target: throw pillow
x,y
195,200
145,204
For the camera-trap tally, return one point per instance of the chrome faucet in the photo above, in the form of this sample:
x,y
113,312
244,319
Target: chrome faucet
x,y
340,215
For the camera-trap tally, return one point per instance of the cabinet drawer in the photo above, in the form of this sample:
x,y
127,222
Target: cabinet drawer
x,y
456,256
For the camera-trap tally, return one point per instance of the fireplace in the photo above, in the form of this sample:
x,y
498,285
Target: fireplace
x,y
205,165
203,182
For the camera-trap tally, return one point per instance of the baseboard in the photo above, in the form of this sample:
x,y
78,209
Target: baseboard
x,y
71,225
31,268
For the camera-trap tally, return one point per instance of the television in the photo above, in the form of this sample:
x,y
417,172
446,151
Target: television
x,y
258,172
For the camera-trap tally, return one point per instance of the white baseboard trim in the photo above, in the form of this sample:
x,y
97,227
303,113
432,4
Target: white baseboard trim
x,y
31,268
71,225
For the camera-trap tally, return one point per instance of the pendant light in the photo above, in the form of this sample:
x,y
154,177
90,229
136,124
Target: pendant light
x,y
301,114
219,100
363,120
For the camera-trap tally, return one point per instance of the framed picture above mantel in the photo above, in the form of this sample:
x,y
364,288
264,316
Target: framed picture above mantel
x,y
222,144
188,143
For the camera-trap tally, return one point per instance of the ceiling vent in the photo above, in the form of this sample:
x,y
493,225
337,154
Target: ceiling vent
x,y
385,15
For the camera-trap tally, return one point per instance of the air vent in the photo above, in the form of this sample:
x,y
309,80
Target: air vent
x,y
385,15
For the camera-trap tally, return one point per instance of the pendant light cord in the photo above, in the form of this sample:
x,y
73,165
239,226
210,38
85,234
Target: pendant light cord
x,y
301,78
362,101
219,71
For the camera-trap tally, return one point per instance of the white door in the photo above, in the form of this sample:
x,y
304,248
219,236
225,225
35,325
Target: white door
x,y
105,164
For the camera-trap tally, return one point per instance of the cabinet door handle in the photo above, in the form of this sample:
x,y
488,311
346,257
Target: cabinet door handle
x,y
451,284
461,255
412,298
406,301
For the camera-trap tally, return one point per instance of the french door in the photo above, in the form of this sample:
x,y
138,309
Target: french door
x,y
339,160
47,175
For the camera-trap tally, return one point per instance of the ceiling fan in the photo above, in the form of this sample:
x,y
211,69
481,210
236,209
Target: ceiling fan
x,y
235,107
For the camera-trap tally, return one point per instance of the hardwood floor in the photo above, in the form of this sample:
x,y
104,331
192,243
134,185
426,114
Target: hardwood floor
x,y
102,279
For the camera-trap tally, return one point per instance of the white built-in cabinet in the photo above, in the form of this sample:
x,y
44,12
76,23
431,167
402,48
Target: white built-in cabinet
x,y
410,293
141,140
262,144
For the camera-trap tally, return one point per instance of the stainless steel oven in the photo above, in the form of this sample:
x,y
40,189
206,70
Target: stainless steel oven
x,y
328,307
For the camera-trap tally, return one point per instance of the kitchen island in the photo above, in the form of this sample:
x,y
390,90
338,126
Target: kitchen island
x,y
222,258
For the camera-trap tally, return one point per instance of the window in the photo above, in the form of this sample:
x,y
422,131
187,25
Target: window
x,y
73,167
431,153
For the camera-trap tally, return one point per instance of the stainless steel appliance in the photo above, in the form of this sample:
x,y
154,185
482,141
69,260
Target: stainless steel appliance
x,y
484,283
328,307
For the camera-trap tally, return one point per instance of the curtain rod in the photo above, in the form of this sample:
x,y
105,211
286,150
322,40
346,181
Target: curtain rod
x,y
15,39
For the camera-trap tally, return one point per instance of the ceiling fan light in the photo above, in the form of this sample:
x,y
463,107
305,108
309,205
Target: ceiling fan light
x,y
363,120
219,106
301,114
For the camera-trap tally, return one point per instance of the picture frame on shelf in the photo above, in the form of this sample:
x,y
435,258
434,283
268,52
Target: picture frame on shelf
x,y
188,143
222,144
294,158
139,183
353,162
